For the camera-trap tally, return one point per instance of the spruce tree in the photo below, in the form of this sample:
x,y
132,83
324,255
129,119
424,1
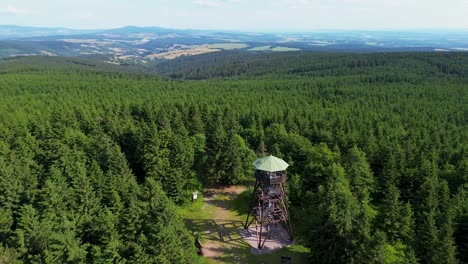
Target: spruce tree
x,y
337,209
396,218
166,238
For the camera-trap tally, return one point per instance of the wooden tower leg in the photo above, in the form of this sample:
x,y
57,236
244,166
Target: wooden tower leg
x,y
259,235
251,206
288,218
266,236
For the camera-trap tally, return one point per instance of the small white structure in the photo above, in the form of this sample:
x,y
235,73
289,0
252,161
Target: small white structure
x,y
194,196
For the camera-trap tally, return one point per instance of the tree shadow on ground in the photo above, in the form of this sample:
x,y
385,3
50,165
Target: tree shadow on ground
x,y
231,247
244,255
221,230
237,203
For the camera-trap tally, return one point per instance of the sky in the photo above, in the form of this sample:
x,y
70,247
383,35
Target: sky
x,y
250,15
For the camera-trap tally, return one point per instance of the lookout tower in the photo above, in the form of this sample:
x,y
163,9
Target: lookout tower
x,y
268,206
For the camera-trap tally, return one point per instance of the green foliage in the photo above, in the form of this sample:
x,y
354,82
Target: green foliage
x,y
167,240
91,162
8,255
435,242
337,213
396,218
359,173
391,253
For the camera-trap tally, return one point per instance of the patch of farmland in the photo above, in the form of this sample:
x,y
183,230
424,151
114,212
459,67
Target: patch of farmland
x,y
169,55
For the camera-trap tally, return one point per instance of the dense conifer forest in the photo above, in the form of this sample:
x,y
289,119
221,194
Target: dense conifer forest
x,y
95,159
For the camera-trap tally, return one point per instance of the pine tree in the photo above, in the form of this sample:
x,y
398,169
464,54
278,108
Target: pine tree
x,y
6,223
10,187
196,125
435,243
32,235
447,250
157,161
362,184
319,160
54,198
167,239
337,209
9,255
130,225
395,217
182,157
238,159
216,138
461,219
64,244
359,173
106,239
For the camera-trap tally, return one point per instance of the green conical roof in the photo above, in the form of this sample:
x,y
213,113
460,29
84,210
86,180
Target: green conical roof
x,y
271,164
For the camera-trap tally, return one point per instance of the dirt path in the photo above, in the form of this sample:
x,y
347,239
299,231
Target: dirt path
x,y
225,223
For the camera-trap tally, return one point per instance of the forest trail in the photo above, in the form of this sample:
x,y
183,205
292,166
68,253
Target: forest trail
x,y
217,223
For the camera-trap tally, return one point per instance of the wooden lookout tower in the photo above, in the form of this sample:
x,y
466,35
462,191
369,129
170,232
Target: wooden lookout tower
x,y
268,206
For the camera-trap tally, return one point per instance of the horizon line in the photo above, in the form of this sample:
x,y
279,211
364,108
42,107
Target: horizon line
x,y
259,30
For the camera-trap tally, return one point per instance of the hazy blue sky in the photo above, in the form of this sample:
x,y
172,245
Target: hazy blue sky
x,y
239,14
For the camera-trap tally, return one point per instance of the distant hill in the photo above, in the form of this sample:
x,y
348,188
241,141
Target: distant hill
x,y
139,30
46,63
12,31
143,45
407,66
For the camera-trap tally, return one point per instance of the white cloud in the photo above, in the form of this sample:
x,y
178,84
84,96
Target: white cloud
x,y
208,3
294,4
85,15
14,10
215,3
336,4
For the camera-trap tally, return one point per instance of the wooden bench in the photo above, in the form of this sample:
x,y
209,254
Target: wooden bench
x,y
286,260
199,247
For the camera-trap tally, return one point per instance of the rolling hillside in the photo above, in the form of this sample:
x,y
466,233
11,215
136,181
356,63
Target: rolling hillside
x,y
138,45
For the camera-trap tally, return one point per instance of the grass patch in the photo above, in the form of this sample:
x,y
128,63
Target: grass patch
x,y
240,204
298,254
195,209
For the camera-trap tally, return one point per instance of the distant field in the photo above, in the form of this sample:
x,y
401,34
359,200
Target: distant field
x,y
169,55
227,46
10,51
270,48
196,50
261,48
281,49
